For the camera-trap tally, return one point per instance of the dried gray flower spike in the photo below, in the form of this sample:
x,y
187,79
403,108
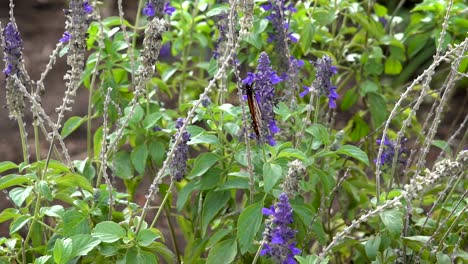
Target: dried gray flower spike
x,y
296,172
13,57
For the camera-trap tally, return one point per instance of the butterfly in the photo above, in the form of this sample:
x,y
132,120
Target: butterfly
x,y
255,112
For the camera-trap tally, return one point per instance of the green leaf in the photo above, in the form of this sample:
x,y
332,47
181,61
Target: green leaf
x,y
377,108
44,190
151,120
18,223
202,163
307,35
223,252
416,243
139,156
218,10
137,114
185,193
349,99
71,125
156,151
380,10
7,165
213,203
75,223
271,174
97,142
443,258
216,237
355,152
83,244
368,86
235,183
19,194
147,236
320,135
248,225
8,213
393,220
74,180
14,179
108,232
62,250
53,211
372,247
292,153
42,260
122,165
392,66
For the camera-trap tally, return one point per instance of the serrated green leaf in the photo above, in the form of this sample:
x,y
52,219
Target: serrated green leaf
x,y
217,10
248,225
14,179
53,211
151,120
355,152
71,125
83,244
62,250
8,213
122,165
271,174
74,180
139,156
42,260
202,163
18,223
372,247
393,220
320,135
7,165
108,232
213,203
147,236
377,107
223,252
19,194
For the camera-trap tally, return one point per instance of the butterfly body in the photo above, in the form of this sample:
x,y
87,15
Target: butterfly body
x,y
254,109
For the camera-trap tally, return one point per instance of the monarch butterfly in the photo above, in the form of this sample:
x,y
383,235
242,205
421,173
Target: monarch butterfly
x,y
254,109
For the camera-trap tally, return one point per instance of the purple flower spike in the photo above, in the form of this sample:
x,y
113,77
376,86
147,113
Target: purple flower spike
x,y
149,10
322,83
168,9
65,38
389,152
179,161
263,81
12,48
278,236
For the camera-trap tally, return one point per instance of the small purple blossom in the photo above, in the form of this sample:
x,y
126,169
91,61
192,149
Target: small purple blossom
x,y
263,81
65,37
87,7
149,10
389,152
12,48
324,71
168,9
278,236
178,163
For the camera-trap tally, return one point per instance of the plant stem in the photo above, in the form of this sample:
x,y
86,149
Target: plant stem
x,y
24,142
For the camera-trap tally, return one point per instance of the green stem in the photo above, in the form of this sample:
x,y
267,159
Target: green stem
x,y
160,208
24,141
36,141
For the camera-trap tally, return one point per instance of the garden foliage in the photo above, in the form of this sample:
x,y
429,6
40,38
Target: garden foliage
x,y
244,131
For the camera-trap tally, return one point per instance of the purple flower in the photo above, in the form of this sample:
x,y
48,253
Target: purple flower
x,y
178,163
87,7
263,81
278,236
324,71
168,9
12,48
66,37
389,152
277,19
149,10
